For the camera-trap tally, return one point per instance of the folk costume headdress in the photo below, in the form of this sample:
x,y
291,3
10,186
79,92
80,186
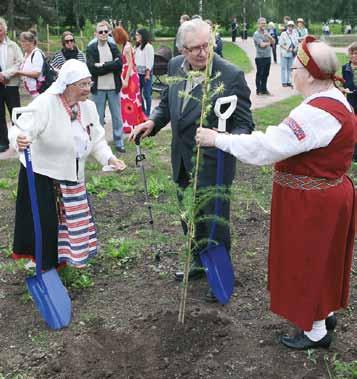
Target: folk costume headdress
x,y
305,58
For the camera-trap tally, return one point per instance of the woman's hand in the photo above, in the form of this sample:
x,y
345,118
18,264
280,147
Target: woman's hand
x,y
206,137
117,164
22,142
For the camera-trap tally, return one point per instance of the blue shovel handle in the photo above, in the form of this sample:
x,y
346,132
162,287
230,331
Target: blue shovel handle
x,y
35,212
218,200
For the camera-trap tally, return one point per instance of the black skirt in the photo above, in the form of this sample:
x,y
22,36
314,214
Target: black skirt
x,y
24,235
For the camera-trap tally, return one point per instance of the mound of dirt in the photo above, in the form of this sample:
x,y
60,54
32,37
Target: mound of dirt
x,y
156,348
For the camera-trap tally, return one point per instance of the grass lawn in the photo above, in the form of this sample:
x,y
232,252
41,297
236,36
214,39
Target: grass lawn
x,y
274,114
237,56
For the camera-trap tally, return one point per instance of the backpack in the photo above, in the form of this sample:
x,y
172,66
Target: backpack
x,y
48,73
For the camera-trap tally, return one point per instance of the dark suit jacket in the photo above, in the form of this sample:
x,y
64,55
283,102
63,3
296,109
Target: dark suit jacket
x,y
184,124
114,66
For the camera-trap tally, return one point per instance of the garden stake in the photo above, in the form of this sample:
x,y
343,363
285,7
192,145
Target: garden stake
x,y
140,157
191,228
46,288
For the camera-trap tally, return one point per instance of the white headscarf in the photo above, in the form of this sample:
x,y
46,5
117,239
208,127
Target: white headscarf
x,y
72,71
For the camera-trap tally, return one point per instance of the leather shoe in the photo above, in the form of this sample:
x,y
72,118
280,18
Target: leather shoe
x,y
3,148
302,342
331,322
196,272
210,298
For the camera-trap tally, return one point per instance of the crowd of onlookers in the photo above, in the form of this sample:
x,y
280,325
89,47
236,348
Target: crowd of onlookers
x,y
123,79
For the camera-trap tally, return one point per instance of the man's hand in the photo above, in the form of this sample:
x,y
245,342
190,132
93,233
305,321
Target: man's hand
x,y
206,137
144,129
2,78
98,64
117,164
22,142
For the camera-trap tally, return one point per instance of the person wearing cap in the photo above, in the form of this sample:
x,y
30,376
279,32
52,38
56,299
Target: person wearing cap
x,y
311,244
289,45
301,29
63,131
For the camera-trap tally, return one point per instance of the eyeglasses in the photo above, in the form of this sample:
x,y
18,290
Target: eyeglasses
x,y
197,49
68,40
84,85
103,31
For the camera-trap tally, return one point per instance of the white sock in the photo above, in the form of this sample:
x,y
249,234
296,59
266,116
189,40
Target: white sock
x,y
318,331
330,314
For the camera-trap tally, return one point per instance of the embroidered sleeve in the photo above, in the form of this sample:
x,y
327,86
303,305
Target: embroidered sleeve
x,y
295,127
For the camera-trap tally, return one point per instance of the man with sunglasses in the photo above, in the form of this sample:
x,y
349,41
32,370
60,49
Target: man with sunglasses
x,y
184,113
104,63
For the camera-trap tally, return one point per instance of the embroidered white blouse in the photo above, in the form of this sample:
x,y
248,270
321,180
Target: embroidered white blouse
x,y
305,129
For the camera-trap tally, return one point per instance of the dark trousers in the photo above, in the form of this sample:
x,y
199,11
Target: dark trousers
x,y
234,35
274,52
10,96
205,213
261,78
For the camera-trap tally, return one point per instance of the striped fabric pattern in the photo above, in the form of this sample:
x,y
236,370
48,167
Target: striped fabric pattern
x,y
77,238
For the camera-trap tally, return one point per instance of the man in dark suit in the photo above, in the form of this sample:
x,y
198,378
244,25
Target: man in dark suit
x,y
184,113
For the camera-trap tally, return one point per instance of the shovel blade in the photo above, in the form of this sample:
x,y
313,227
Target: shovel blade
x,y
51,298
219,271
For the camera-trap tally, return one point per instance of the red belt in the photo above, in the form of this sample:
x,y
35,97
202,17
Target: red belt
x,y
303,182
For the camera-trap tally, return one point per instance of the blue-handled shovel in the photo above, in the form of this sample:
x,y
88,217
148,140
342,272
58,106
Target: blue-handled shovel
x,y
46,288
215,258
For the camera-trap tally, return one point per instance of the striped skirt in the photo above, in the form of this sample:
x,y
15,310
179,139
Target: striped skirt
x,y
68,230
77,239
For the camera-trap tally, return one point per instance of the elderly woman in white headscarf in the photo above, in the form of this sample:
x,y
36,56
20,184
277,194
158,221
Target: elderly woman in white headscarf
x,y
62,131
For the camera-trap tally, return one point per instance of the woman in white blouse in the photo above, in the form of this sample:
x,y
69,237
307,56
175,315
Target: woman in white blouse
x,y
63,131
31,67
144,58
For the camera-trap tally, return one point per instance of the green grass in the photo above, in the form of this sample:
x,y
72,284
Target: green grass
x,y
237,56
342,59
274,114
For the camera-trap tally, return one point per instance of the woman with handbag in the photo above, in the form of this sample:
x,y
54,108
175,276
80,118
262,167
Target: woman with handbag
x,y
289,44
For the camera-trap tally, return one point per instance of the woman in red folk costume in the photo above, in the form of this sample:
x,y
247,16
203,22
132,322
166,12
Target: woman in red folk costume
x,y
312,212
130,98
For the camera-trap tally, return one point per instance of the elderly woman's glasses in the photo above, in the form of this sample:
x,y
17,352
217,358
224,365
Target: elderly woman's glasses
x,y
68,40
83,85
197,49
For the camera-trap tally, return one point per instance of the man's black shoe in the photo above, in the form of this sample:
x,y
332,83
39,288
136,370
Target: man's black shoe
x,y
331,322
3,148
195,272
302,342
210,298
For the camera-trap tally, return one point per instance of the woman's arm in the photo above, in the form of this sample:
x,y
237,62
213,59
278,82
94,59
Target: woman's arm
x,y
128,56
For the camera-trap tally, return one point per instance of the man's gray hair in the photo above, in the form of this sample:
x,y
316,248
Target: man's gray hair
x,y
324,56
192,26
3,23
260,19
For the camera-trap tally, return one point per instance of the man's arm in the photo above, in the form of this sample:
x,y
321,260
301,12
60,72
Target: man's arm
x,y
161,114
11,71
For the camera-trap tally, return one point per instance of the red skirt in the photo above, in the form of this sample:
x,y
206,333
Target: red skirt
x,y
310,253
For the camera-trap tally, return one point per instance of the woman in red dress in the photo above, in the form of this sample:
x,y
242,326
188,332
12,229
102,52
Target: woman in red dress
x,y
312,213
130,98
